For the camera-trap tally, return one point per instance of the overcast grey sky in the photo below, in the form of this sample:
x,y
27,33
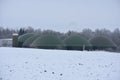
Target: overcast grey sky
x,y
60,15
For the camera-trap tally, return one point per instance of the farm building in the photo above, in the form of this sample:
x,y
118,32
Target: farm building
x,y
5,42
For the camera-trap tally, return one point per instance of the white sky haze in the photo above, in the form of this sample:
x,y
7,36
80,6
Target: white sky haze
x,y
60,15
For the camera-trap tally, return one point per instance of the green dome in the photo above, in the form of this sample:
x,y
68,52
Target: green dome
x,y
30,40
23,38
76,42
47,42
102,43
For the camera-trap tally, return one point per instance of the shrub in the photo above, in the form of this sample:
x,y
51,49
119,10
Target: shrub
x,y
23,38
47,42
30,40
76,42
102,43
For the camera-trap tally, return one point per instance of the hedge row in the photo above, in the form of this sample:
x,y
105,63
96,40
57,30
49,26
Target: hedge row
x,y
73,42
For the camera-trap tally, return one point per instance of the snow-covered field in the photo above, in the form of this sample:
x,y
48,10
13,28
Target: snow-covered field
x,y
38,64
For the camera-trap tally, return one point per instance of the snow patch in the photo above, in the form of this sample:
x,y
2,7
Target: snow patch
x,y
40,64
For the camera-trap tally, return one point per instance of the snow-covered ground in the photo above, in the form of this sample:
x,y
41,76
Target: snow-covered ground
x,y
38,64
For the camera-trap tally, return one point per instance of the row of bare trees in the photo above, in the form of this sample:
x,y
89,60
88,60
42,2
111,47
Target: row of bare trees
x,y
86,33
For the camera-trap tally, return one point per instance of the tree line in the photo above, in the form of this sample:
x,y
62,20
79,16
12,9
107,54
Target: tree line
x,y
86,33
